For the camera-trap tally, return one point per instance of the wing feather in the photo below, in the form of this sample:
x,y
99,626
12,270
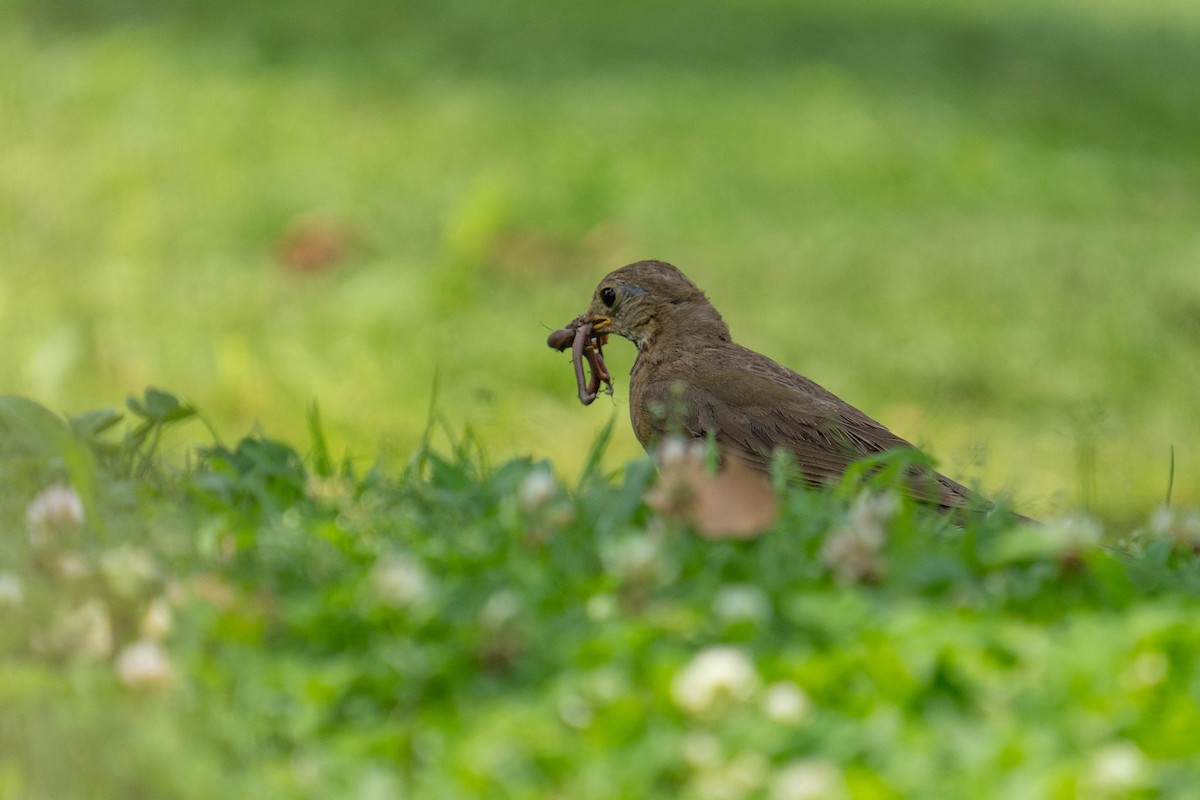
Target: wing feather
x,y
761,406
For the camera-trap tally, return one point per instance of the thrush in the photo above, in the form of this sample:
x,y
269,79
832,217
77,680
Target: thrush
x,y
691,379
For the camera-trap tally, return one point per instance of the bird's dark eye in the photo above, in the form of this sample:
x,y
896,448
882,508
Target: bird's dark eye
x,y
608,296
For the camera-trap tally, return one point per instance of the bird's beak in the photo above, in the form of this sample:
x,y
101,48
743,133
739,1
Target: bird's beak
x,y
600,325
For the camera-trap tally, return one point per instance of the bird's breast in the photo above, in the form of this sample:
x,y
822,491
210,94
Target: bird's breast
x,y
638,413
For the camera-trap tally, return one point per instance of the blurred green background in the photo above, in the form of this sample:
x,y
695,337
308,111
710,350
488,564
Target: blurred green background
x,y
977,221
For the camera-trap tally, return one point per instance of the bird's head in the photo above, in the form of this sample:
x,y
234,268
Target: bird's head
x,y
648,299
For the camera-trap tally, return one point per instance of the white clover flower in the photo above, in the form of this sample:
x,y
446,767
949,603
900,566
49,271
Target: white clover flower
x,y
1117,769
1176,522
575,711
1148,669
601,607
854,555
85,632
606,685
400,581
144,665
305,770
714,676
329,490
874,510
72,566
808,779
736,780
537,489
701,750
1182,527
56,510
854,552
1071,535
742,603
500,609
1162,519
676,450
11,593
785,702
637,559
156,622
747,772
128,570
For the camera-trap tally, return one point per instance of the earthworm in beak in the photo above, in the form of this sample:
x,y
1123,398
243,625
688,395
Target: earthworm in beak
x,y
584,345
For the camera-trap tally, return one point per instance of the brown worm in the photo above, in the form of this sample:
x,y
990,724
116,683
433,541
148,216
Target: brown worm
x,y
586,393
561,339
599,370
578,335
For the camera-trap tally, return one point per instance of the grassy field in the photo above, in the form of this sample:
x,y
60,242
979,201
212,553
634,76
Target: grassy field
x,y
976,222
267,624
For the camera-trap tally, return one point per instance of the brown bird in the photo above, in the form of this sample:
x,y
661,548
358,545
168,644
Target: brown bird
x,y
691,378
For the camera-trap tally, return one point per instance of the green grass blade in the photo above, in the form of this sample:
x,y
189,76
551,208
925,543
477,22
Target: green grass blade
x,y
1171,477
591,466
322,462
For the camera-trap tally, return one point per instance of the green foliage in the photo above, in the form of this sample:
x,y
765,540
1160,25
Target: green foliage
x,y
466,629
33,431
258,473
975,221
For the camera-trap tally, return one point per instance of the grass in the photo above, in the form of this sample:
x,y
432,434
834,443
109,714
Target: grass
x,y
460,629
975,222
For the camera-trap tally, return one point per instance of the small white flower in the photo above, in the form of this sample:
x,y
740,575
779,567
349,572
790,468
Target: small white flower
x,y
1162,519
874,510
746,773
156,622
854,556
638,559
305,770
714,676
1147,669
85,632
72,566
1079,531
144,665
575,711
1117,769
11,593
329,490
601,607
58,509
500,610
128,570
809,779
855,550
742,603
1182,527
785,702
676,450
537,489
701,750
738,779
606,685
400,581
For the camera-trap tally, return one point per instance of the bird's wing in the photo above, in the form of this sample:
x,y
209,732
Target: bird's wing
x,y
759,406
